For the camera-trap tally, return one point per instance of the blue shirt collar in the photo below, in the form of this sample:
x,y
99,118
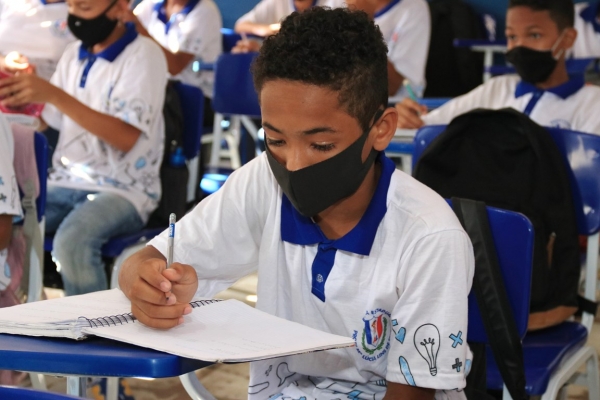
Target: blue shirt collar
x,y
386,8
590,15
159,7
112,51
563,91
300,230
294,4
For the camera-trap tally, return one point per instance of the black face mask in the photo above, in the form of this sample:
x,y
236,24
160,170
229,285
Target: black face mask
x,y
92,31
317,187
533,66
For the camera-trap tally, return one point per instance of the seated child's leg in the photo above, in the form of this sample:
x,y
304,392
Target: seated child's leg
x,y
80,237
59,203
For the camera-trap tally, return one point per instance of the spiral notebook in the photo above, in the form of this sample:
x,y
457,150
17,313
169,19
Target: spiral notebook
x,y
215,331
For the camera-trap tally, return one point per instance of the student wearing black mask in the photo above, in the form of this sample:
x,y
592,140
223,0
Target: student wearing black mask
x,y
341,240
105,98
539,35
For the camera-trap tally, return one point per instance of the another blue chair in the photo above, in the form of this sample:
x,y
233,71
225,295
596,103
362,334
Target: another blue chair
x,y
230,38
18,393
234,97
554,355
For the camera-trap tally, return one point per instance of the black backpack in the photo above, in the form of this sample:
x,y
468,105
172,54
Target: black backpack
x,y
508,161
173,170
452,71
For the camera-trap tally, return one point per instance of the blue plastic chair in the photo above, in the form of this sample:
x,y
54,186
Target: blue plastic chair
x,y
230,38
234,97
18,393
554,355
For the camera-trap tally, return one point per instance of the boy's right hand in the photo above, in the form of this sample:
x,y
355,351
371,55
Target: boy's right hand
x,y
159,297
409,114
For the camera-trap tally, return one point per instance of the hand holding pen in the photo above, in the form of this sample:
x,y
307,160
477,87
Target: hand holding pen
x,y
409,110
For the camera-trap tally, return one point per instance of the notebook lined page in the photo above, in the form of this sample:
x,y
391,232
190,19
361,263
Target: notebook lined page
x,y
227,331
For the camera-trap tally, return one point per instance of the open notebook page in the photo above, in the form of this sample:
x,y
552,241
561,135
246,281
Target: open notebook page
x,y
228,331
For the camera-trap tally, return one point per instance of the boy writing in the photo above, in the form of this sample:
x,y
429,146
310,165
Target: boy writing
x,y
106,98
538,33
341,240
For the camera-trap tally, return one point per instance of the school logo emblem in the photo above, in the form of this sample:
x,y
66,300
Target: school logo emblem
x,y
59,28
372,341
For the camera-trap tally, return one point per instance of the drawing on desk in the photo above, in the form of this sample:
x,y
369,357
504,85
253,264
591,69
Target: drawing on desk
x,y
210,333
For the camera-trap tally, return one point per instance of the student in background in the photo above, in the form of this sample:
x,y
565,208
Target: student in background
x,y
106,98
406,28
187,31
342,241
264,19
37,30
539,34
587,23
10,206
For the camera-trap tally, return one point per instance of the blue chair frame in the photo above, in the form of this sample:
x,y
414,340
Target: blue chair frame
x,y
554,355
234,97
14,393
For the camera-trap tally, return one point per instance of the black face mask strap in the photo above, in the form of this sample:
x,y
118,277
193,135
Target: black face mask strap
x,y
111,5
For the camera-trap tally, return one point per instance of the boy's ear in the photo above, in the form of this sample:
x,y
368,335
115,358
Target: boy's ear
x,y
569,37
383,131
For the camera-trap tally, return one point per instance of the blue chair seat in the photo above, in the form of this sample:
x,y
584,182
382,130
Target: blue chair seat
x,y
114,247
544,352
400,147
213,179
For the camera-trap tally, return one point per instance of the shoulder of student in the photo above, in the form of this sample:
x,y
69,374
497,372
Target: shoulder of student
x,y
418,208
146,50
491,94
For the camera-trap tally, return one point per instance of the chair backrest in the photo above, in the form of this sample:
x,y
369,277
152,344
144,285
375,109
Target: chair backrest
x,y
192,106
234,92
582,153
229,39
513,238
41,158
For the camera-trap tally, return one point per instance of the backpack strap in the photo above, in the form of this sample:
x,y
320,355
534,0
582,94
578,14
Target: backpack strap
x,y
491,297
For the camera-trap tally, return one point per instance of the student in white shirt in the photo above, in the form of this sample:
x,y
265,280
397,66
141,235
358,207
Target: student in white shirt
x,y
37,29
10,201
264,19
587,23
406,28
187,31
106,99
342,241
538,37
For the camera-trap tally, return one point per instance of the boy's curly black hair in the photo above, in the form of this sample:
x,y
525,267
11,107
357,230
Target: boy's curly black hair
x,y
562,12
338,49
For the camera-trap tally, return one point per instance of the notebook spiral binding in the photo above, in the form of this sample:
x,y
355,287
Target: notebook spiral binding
x,y
114,320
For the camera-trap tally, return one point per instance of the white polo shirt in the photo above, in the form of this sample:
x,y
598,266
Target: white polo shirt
x,y
399,279
36,29
572,105
127,81
273,11
195,30
10,201
406,28
587,24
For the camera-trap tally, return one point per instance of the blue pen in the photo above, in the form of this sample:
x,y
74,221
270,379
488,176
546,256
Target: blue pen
x,y
411,92
172,218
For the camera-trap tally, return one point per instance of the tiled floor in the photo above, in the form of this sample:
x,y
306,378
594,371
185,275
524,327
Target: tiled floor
x,y
229,381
